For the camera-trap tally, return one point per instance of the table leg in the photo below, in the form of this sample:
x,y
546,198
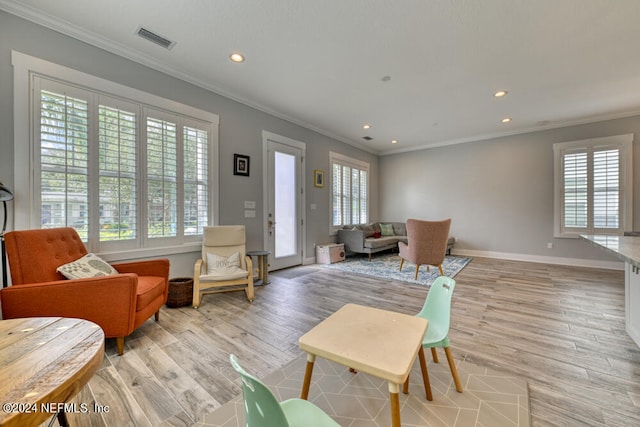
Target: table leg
x,y
260,267
395,404
264,268
311,358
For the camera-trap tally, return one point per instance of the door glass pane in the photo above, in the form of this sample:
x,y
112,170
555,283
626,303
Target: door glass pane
x,y
285,205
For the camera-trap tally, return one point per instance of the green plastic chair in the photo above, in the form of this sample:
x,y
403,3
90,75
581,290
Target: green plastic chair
x,y
262,409
437,310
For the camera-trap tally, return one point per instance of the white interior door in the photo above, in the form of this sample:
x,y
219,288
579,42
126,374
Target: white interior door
x,y
284,206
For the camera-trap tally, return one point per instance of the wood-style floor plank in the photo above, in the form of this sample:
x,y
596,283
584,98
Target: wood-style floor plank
x,y
560,328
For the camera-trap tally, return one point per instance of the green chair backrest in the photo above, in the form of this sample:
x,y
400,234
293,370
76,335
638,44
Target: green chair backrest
x,y
261,407
437,308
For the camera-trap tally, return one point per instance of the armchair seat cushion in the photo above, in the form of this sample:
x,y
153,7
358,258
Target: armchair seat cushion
x,y
235,275
149,289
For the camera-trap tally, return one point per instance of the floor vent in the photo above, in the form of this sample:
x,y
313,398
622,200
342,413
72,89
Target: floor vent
x,y
155,38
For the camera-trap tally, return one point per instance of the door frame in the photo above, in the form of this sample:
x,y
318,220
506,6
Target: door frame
x,y
266,137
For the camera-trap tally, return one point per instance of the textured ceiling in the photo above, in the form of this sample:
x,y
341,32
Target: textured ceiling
x,y
321,63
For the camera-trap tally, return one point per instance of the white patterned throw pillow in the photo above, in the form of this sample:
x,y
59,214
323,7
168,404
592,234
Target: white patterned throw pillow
x,y
89,265
224,268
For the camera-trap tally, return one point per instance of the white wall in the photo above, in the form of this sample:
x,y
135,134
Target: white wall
x,y
498,192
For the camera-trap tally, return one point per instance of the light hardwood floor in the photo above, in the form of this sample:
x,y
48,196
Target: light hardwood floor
x,y
560,328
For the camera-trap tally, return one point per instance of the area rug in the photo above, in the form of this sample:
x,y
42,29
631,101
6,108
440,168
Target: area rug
x,y
387,266
489,397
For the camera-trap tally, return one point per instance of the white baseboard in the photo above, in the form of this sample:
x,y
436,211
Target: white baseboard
x,y
574,262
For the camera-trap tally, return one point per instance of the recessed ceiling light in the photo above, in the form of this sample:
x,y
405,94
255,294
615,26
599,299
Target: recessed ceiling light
x,y
236,57
500,93
506,120
366,127
386,78
395,141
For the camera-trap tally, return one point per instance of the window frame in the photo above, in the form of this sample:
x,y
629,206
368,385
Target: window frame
x,y
27,209
624,143
336,158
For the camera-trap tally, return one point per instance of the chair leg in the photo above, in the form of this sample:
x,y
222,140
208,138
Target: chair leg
x,y
120,345
425,374
434,354
440,268
196,298
157,315
401,263
454,371
62,418
405,386
249,293
417,271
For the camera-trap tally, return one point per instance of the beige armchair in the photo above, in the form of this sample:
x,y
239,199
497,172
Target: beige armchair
x,y
224,265
426,243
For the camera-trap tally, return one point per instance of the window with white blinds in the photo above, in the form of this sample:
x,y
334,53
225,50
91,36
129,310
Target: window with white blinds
x,y
123,174
117,178
593,180
350,191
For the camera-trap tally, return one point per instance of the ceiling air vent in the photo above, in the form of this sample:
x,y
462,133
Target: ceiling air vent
x,y
368,138
155,38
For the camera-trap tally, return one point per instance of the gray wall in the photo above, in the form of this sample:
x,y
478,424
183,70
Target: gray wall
x,y
498,192
240,129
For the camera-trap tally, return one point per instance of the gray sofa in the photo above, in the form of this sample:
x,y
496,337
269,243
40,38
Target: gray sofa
x,y
361,238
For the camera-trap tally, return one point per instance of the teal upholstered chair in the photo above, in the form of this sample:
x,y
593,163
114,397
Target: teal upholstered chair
x,y
262,409
437,310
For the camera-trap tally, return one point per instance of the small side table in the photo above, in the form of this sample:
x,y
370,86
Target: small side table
x,y
263,265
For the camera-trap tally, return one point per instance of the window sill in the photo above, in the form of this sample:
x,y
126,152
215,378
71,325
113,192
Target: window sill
x,y
165,251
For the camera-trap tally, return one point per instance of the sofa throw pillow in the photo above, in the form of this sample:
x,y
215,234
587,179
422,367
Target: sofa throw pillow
x,y
369,230
89,265
400,229
386,229
224,267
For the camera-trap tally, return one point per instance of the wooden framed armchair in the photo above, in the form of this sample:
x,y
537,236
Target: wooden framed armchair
x,y
225,265
118,303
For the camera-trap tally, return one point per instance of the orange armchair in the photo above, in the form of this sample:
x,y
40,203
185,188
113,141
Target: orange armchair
x,y
119,303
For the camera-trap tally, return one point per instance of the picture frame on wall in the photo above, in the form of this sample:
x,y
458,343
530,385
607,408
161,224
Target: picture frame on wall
x,y
240,165
318,178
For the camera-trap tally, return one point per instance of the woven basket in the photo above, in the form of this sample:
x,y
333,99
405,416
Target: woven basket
x,y
180,292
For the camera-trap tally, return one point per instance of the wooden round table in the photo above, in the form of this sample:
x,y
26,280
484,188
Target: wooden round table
x,y
44,362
